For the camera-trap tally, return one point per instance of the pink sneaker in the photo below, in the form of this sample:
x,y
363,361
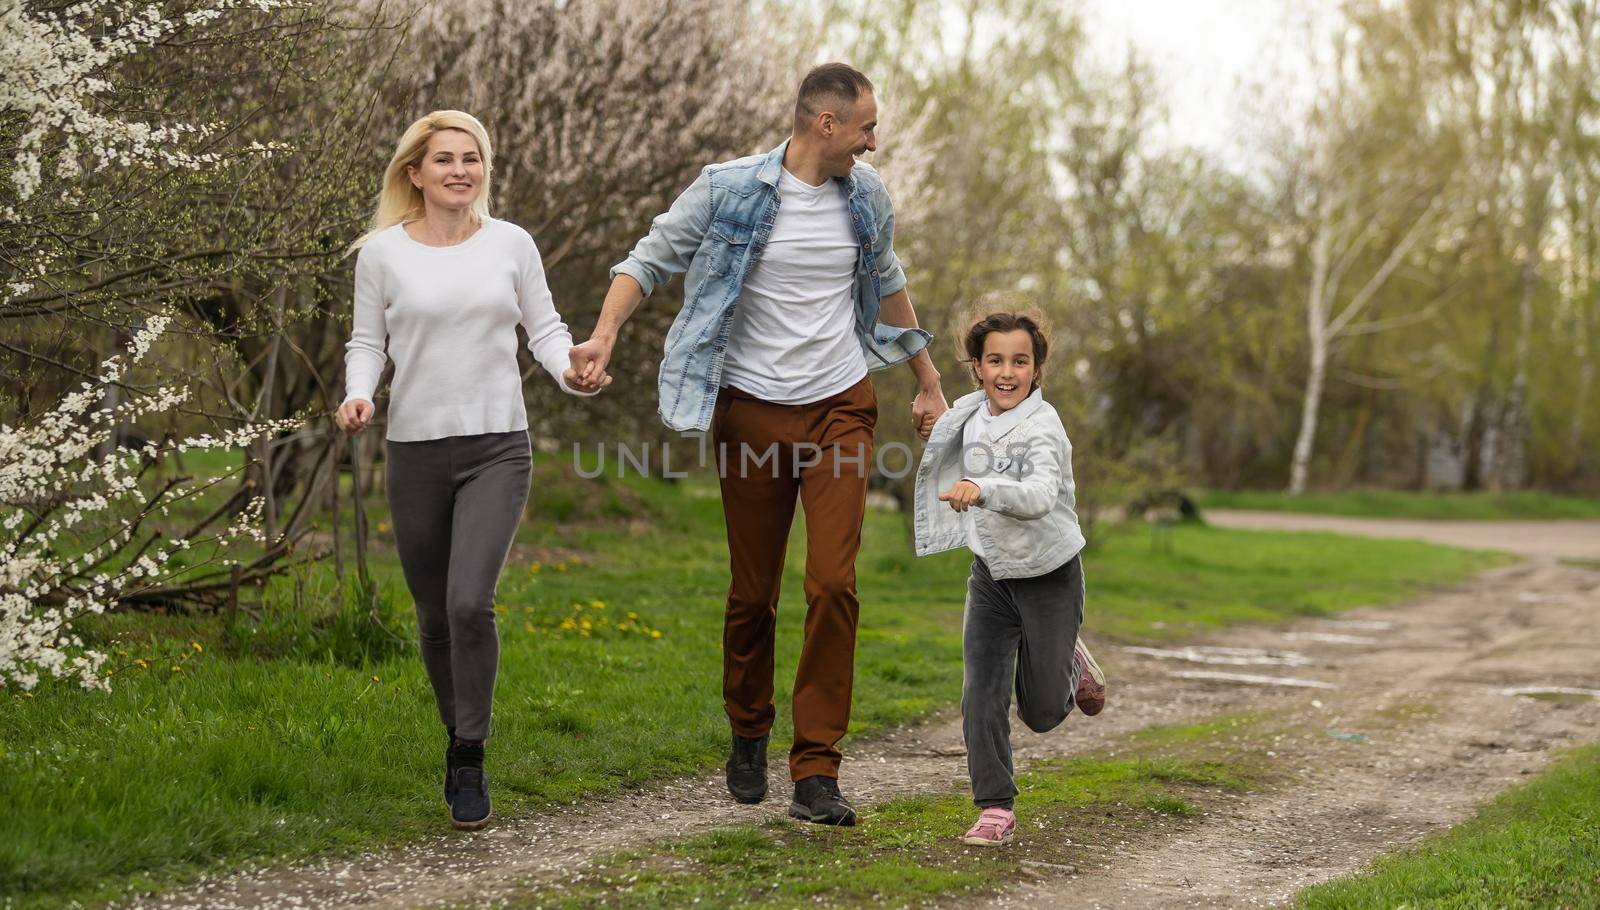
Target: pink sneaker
x,y
1091,697
994,827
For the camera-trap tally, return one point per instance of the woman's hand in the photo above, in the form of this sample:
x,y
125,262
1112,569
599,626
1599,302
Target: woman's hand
x,y
575,381
354,415
588,375
963,496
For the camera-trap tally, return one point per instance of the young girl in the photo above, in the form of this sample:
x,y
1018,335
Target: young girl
x,y
1000,460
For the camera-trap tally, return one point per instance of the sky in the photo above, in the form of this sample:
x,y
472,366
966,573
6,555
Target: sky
x,y
1208,54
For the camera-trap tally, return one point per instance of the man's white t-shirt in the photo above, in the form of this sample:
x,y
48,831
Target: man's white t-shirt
x,y
793,338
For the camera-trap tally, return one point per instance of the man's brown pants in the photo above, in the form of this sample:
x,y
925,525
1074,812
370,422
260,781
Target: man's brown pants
x,y
769,454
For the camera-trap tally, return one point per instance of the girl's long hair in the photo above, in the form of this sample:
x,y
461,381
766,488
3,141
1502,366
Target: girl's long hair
x,y
399,200
976,323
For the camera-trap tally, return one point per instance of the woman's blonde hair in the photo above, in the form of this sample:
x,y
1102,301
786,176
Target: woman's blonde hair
x,y
399,200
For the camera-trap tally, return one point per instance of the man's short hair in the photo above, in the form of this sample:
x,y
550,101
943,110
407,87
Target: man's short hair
x,y
829,87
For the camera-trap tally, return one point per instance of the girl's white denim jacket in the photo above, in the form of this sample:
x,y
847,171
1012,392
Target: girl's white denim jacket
x,y
1023,464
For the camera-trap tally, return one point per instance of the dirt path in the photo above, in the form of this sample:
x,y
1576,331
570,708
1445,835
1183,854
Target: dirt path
x,y
1425,681
1568,539
1430,691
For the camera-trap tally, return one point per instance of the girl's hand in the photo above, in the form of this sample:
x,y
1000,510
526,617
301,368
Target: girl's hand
x,y
354,415
963,496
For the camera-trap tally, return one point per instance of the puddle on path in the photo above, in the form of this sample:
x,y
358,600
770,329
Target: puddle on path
x,y
1332,638
1370,625
1235,657
1253,679
1550,690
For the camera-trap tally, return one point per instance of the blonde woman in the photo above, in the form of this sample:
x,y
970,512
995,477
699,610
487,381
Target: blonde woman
x,y
441,288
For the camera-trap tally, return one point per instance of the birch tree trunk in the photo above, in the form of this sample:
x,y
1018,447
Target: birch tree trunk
x,y
1317,338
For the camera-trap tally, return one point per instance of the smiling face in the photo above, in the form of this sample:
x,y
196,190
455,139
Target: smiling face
x,y
1006,369
844,138
450,175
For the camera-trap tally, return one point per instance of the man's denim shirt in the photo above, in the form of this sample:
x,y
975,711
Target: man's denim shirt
x,y
716,232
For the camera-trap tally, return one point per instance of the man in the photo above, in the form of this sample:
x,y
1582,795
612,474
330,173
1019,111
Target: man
x,y
791,265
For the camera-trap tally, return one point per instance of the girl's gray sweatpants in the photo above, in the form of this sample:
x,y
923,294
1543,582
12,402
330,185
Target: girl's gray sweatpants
x,y
455,503
1031,623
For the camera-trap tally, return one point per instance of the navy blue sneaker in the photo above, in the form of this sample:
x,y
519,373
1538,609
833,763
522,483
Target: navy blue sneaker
x,y
469,805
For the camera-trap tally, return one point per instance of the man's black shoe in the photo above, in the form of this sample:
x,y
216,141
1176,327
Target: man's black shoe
x,y
817,799
469,808
747,769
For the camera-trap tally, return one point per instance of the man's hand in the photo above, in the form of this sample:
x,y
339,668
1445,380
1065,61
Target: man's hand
x,y
589,361
963,496
354,415
927,407
577,384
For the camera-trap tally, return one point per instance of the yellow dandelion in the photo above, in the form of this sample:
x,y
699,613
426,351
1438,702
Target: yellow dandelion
x,y
500,608
561,567
29,694
196,646
585,625
598,604
534,567
632,615
376,679
530,627
383,527
584,633
577,608
176,668
568,624
142,664
655,633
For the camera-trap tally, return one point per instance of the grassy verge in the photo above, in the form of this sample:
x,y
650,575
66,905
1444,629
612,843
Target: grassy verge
x,y
262,746
1404,504
908,852
1535,846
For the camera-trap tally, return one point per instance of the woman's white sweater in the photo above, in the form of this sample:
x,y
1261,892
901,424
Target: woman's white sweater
x,y
449,315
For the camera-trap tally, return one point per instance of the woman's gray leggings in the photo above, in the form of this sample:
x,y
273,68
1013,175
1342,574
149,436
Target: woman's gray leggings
x,y
456,503
1033,623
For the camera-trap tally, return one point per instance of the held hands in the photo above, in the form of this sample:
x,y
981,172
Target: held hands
x,y
963,496
353,416
927,407
588,372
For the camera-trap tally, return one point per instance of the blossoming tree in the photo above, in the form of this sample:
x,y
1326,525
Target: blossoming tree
x,y
89,243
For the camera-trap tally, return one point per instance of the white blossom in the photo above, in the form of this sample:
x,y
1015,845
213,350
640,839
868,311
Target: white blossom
x,y
53,62
44,467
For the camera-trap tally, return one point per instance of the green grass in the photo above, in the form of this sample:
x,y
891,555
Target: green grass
x,y
1535,846
907,852
1526,505
267,747
1213,577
